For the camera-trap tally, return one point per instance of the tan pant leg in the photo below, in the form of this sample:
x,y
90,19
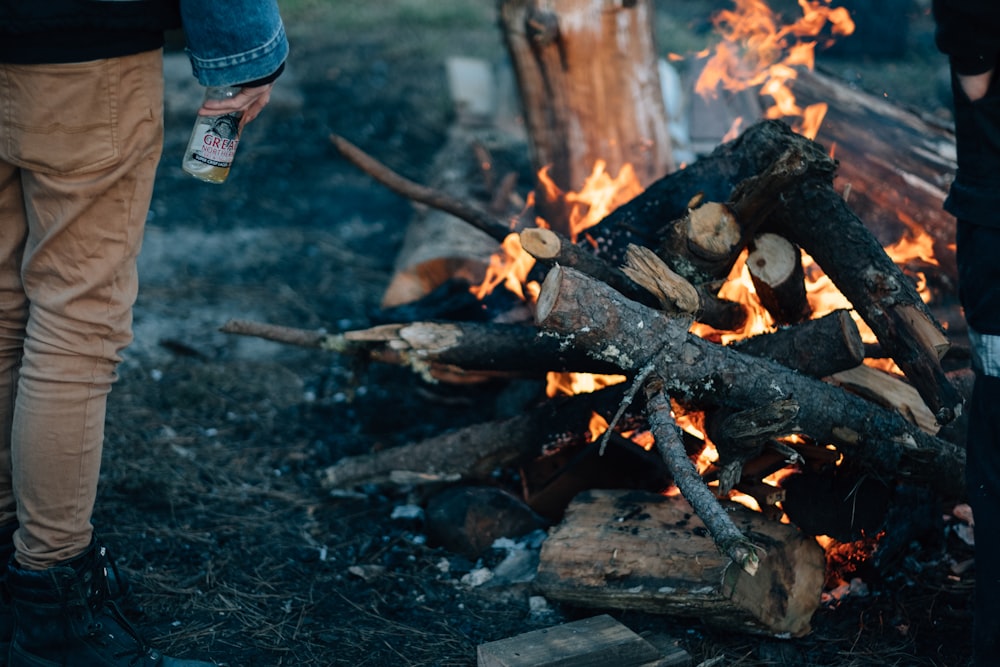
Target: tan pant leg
x,y
87,137
13,317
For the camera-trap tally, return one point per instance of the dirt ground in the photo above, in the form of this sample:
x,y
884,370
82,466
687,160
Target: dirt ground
x,y
210,497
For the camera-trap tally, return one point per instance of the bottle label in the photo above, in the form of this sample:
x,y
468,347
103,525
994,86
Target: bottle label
x,y
216,140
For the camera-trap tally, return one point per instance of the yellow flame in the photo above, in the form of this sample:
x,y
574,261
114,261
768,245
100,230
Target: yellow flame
x,y
509,266
756,51
570,384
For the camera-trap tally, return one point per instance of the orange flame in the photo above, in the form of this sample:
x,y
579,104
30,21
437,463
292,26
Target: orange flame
x,y
570,384
757,51
600,195
509,266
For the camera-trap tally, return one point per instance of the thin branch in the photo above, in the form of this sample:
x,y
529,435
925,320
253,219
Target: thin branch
x,y
726,535
475,216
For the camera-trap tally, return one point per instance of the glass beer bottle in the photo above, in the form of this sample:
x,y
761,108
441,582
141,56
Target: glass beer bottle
x,y
210,151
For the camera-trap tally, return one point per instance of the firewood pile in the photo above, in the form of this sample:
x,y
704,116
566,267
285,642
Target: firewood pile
x,y
637,296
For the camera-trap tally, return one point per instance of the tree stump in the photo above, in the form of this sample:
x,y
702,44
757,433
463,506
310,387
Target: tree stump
x,y
590,89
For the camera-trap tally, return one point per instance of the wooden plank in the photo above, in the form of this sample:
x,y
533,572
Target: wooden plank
x,y
593,642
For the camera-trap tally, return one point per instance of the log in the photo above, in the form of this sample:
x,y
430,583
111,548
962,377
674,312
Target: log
x,y
474,452
818,348
699,372
815,217
436,349
550,248
588,79
895,164
890,391
775,267
645,552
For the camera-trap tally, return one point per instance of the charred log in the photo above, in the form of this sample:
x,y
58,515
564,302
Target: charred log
x,y
699,372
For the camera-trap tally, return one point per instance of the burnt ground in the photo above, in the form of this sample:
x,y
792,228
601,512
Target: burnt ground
x,y
210,496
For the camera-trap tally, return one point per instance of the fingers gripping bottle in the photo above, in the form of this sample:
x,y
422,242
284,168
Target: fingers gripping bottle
x,y
210,152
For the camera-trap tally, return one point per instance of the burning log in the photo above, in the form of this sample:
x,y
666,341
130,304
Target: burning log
x,y
775,266
672,293
474,452
818,347
895,164
646,552
699,372
815,217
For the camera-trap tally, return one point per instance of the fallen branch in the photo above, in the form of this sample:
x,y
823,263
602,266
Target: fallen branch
x,y
726,535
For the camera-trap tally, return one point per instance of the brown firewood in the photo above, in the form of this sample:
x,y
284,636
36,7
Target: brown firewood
x,y
646,268
818,347
888,390
775,266
895,163
698,372
431,349
815,217
702,245
551,248
588,79
645,552
473,452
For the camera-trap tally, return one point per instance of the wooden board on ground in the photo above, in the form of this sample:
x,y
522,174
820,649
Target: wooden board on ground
x,y
591,642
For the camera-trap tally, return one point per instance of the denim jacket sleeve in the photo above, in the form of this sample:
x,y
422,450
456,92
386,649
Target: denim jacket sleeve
x,y
235,41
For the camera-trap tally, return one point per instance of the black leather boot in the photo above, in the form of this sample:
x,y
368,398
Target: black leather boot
x,y
6,611
64,616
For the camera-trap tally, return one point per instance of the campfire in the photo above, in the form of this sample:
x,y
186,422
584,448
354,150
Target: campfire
x,y
743,382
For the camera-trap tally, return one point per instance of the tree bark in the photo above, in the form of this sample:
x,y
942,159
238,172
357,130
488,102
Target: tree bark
x,y
590,90
817,348
646,552
701,373
815,217
474,452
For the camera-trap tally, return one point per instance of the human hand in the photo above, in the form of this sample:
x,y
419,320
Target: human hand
x,y
251,101
975,86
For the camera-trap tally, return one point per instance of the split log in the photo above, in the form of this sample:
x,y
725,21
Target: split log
x,y
699,372
890,391
589,86
646,552
815,217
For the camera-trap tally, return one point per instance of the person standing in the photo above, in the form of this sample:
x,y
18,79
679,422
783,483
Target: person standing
x,y
81,135
968,32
